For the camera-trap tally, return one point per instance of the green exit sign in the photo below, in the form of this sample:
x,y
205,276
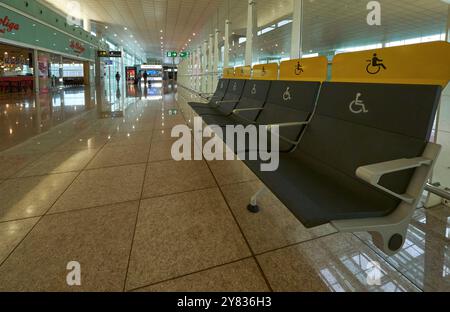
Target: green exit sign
x,y
184,54
172,54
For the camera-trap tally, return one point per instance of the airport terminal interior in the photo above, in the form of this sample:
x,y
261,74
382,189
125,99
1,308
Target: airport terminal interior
x,y
120,170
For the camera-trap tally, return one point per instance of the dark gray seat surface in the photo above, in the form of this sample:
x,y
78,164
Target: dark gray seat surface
x,y
221,90
254,96
318,181
234,94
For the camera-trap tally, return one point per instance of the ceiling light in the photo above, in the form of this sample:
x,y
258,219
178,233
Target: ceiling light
x,y
125,28
106,27
194,34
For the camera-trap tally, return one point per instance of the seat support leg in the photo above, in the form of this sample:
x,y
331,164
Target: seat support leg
x,y
253,206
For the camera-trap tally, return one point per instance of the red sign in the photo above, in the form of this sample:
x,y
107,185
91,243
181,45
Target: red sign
x,y
77,47
7,26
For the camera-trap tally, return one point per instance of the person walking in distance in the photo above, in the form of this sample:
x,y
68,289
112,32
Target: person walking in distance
x,y
145,75
118,78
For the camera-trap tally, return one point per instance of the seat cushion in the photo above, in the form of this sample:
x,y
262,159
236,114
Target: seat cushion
x,y
317,194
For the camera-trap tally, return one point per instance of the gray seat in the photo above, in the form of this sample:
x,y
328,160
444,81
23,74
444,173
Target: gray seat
x,y
318,181
287,102
226,105
254,97
221,90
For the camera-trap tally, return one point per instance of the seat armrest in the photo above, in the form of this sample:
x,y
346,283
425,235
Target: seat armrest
x,y
372,174
228,101
237,111
288,124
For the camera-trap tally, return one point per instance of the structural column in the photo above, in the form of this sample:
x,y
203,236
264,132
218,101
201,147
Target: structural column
x,y
251,31
211,63
205,67
297,29
199,69
216,59
447,33
226,52
36,71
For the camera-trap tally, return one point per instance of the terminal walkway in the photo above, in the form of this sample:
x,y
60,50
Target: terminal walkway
x,y
105,193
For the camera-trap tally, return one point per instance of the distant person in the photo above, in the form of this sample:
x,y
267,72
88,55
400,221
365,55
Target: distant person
x,y
145,75
118,77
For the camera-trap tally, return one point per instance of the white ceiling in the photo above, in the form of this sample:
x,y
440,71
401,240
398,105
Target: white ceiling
x,y
327,23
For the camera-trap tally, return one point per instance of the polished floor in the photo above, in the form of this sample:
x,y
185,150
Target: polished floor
x,y
106,193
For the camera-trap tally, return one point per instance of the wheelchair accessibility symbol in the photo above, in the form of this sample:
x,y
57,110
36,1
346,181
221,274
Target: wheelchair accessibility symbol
x,y
287,95
375,65
357,106
254,89
298,69
263,71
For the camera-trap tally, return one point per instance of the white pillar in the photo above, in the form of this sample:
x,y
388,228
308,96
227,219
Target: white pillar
x,y
251,26
211,63
226,53
297,29
216,59
447,33
87,24
205,67
199,69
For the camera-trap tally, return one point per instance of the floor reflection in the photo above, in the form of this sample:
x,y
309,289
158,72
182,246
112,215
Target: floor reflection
x,y
23,116
425,257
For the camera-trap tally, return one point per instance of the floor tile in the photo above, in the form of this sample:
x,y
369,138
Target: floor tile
x,y
242,276
101,187
99,239
12,233
161,150
91,142
231,171
170,177
30,197
181,234
334,263
136,138
10,164
425,257
120,155
58,162
162,135
274,226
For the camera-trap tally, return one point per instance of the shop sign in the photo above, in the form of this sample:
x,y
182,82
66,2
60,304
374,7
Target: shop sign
x,y
7,26
109,54
77,47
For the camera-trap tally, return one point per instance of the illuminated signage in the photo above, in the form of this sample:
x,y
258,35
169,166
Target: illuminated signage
x,y
77,47
7,26
151,66
172,54
109,54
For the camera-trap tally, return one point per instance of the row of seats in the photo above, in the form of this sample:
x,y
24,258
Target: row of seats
x,y
353,154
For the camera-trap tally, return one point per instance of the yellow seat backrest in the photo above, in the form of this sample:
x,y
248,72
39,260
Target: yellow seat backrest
x,y
265,71
243,72
424,63
228,73
307,69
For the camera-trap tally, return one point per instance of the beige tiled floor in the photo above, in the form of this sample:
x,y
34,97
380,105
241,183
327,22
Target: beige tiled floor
x,y
182,234
137,220
101,187
99,239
